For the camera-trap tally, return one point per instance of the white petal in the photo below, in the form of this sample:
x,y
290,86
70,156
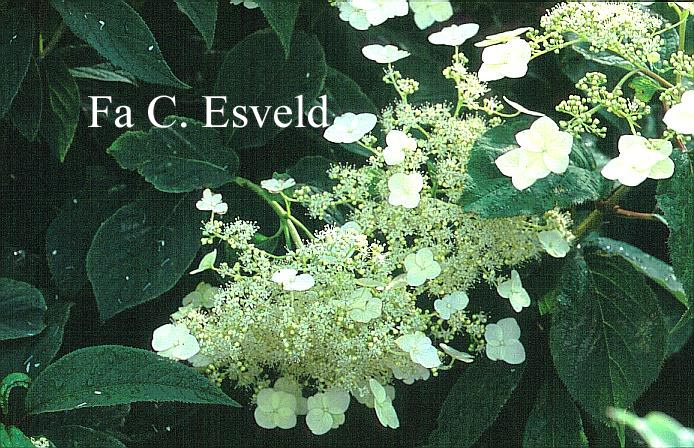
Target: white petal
x,y
510,328
662,170
513,352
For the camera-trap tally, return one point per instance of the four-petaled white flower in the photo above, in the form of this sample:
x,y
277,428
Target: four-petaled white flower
x,y
426,12
680,117
640,159
502,341
174,342
290,281
454,35
507,60
418,345
451,303
291,386
399,144
212,202
421,267
350,128
276,409
363,306
202,297
404,189
383,404
362,14
513,290
411,373
384,54
554,243
501,38
326,411
277,185
543,149
456,354
249,4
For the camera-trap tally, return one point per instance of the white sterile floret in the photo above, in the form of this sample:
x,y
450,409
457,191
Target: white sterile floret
x,y
291,281
384,54
174,342
212,202
383,404
507,60
247,3
640,159
277,185
451,303
206,263
363,306
350,128
426,12
554,243
291,386
454,35
543,149
513,290
501,38
276,409
680,117
404,189
411,373
456,354
502,341
399,144
418,345
356,17
326,411
362,14
202,297
421,267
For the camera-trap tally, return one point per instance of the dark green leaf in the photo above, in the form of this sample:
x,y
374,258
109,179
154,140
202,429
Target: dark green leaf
x,y
10,382
177,159
16,45
62,111
21,310
26,109
312,170
203,14
104,73
282,17
142,251
110,375
644,87
602,57
345,95
82,437
14,438
474,403
120,35
555,421
249,76
608,339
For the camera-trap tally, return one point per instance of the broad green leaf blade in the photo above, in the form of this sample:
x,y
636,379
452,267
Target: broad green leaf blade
x,y
32,355
177,159
28,105
142,250
104,73
14,438
492,195
250,75
119,34
555,421
109,375
653,268
676,199
21,310
282,17
203,14
82,437
16,46
61,114
313,171
474,403
608,339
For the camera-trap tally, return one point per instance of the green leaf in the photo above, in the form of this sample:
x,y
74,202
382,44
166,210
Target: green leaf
x,y
119,34
16,45
249,76
345,95
603,57
474,403
676,198
109,375
28,105
653,268
644,87
203,14
555,421
313,171
32,355
21,310
62,111
14,438
608,339
104,73
492,195
282,17
82,437
142,250
177,159
8,383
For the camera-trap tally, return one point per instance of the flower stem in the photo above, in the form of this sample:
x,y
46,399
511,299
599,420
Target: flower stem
x,y
594,219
